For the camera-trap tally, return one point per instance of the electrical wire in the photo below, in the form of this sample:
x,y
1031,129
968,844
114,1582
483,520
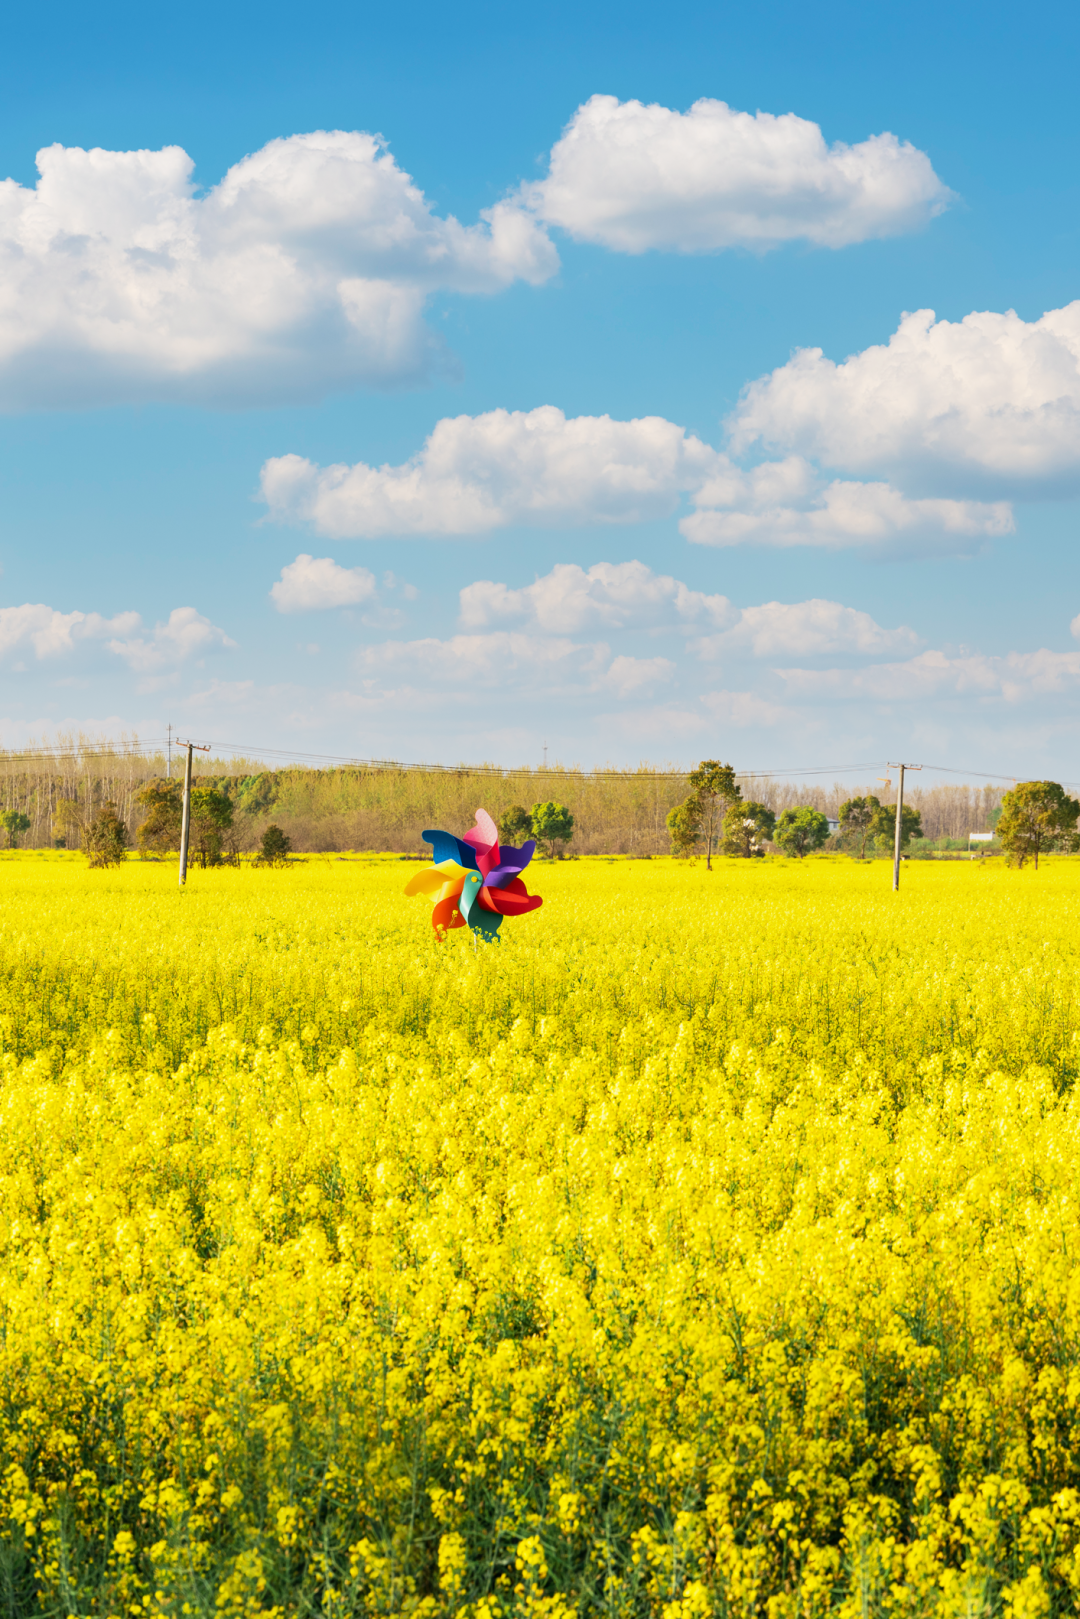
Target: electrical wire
x,y
138,749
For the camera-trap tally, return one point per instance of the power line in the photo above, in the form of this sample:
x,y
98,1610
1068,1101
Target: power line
x,y
138,749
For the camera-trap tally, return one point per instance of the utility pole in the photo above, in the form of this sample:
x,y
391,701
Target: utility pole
x,y
899,820
185,825
545,755
168,760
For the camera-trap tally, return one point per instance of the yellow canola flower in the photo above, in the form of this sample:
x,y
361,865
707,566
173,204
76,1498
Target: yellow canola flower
x,y
711,1249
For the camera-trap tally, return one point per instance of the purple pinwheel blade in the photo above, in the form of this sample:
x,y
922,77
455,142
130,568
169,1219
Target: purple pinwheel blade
x,y
512,863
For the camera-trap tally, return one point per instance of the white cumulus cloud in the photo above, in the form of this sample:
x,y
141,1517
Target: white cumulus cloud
x,y
1014,677
319,582
617,595
307,267
478,473
184,634
634,177
990,399
629,595
49,633
627,677
482,659
787,503
808,628
475,474
507,658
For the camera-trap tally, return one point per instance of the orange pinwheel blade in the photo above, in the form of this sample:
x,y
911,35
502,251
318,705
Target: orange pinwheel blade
x,y
445,914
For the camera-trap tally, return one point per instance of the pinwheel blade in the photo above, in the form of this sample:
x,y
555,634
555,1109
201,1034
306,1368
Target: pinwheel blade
x,y
428,881
445,915
511,863
505,902
484,838
447,847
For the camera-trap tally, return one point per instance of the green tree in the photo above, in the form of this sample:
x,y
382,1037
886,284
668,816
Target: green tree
x,y
746,828
515,826
164,804
716,790
684,824
798,831
857,819
551,824
274,848
68,822
105,838
1037,816
883,825
14,823
211,818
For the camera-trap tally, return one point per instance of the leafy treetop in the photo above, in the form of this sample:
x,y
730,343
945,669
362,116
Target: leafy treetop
x,y
1037,816
14,823
551,823
883,824
747,827
856,819
515,825
798,831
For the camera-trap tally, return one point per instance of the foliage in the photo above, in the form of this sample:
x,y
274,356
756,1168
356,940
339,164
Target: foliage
x,y
746,828
14,823
684,825
1037,816
552,824
883,825
211,819
105,838
68,822
274,847
515,826
800,831
715,790
856,818
163,803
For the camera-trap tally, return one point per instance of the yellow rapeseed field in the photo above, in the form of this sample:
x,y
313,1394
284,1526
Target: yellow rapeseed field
x,y
710,1246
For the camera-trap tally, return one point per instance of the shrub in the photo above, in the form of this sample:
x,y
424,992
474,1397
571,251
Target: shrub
x,y
105,838
274,848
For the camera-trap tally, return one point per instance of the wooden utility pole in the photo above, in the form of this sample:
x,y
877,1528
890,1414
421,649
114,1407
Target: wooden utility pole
x,y
185,824
899,820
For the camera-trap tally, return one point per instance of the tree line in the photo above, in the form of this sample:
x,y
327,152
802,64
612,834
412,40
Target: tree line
x,y
386,807
1035,817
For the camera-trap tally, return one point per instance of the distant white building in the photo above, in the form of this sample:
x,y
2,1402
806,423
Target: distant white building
x,y
834,825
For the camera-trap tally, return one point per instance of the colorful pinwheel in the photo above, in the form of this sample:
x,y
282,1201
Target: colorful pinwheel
x,y
475,881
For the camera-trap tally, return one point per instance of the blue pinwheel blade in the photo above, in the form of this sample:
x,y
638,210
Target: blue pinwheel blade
x,y
447,847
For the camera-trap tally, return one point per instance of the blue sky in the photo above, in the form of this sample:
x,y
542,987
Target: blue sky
x,y
651,525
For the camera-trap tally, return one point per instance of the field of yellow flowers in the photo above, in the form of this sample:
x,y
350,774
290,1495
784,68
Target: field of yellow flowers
x,y
711,1246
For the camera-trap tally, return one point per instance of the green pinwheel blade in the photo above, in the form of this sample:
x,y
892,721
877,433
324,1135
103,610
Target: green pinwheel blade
x,y
481,921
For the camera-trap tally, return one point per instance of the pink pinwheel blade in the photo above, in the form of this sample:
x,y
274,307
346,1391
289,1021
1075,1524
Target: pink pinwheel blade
x,y
484,837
